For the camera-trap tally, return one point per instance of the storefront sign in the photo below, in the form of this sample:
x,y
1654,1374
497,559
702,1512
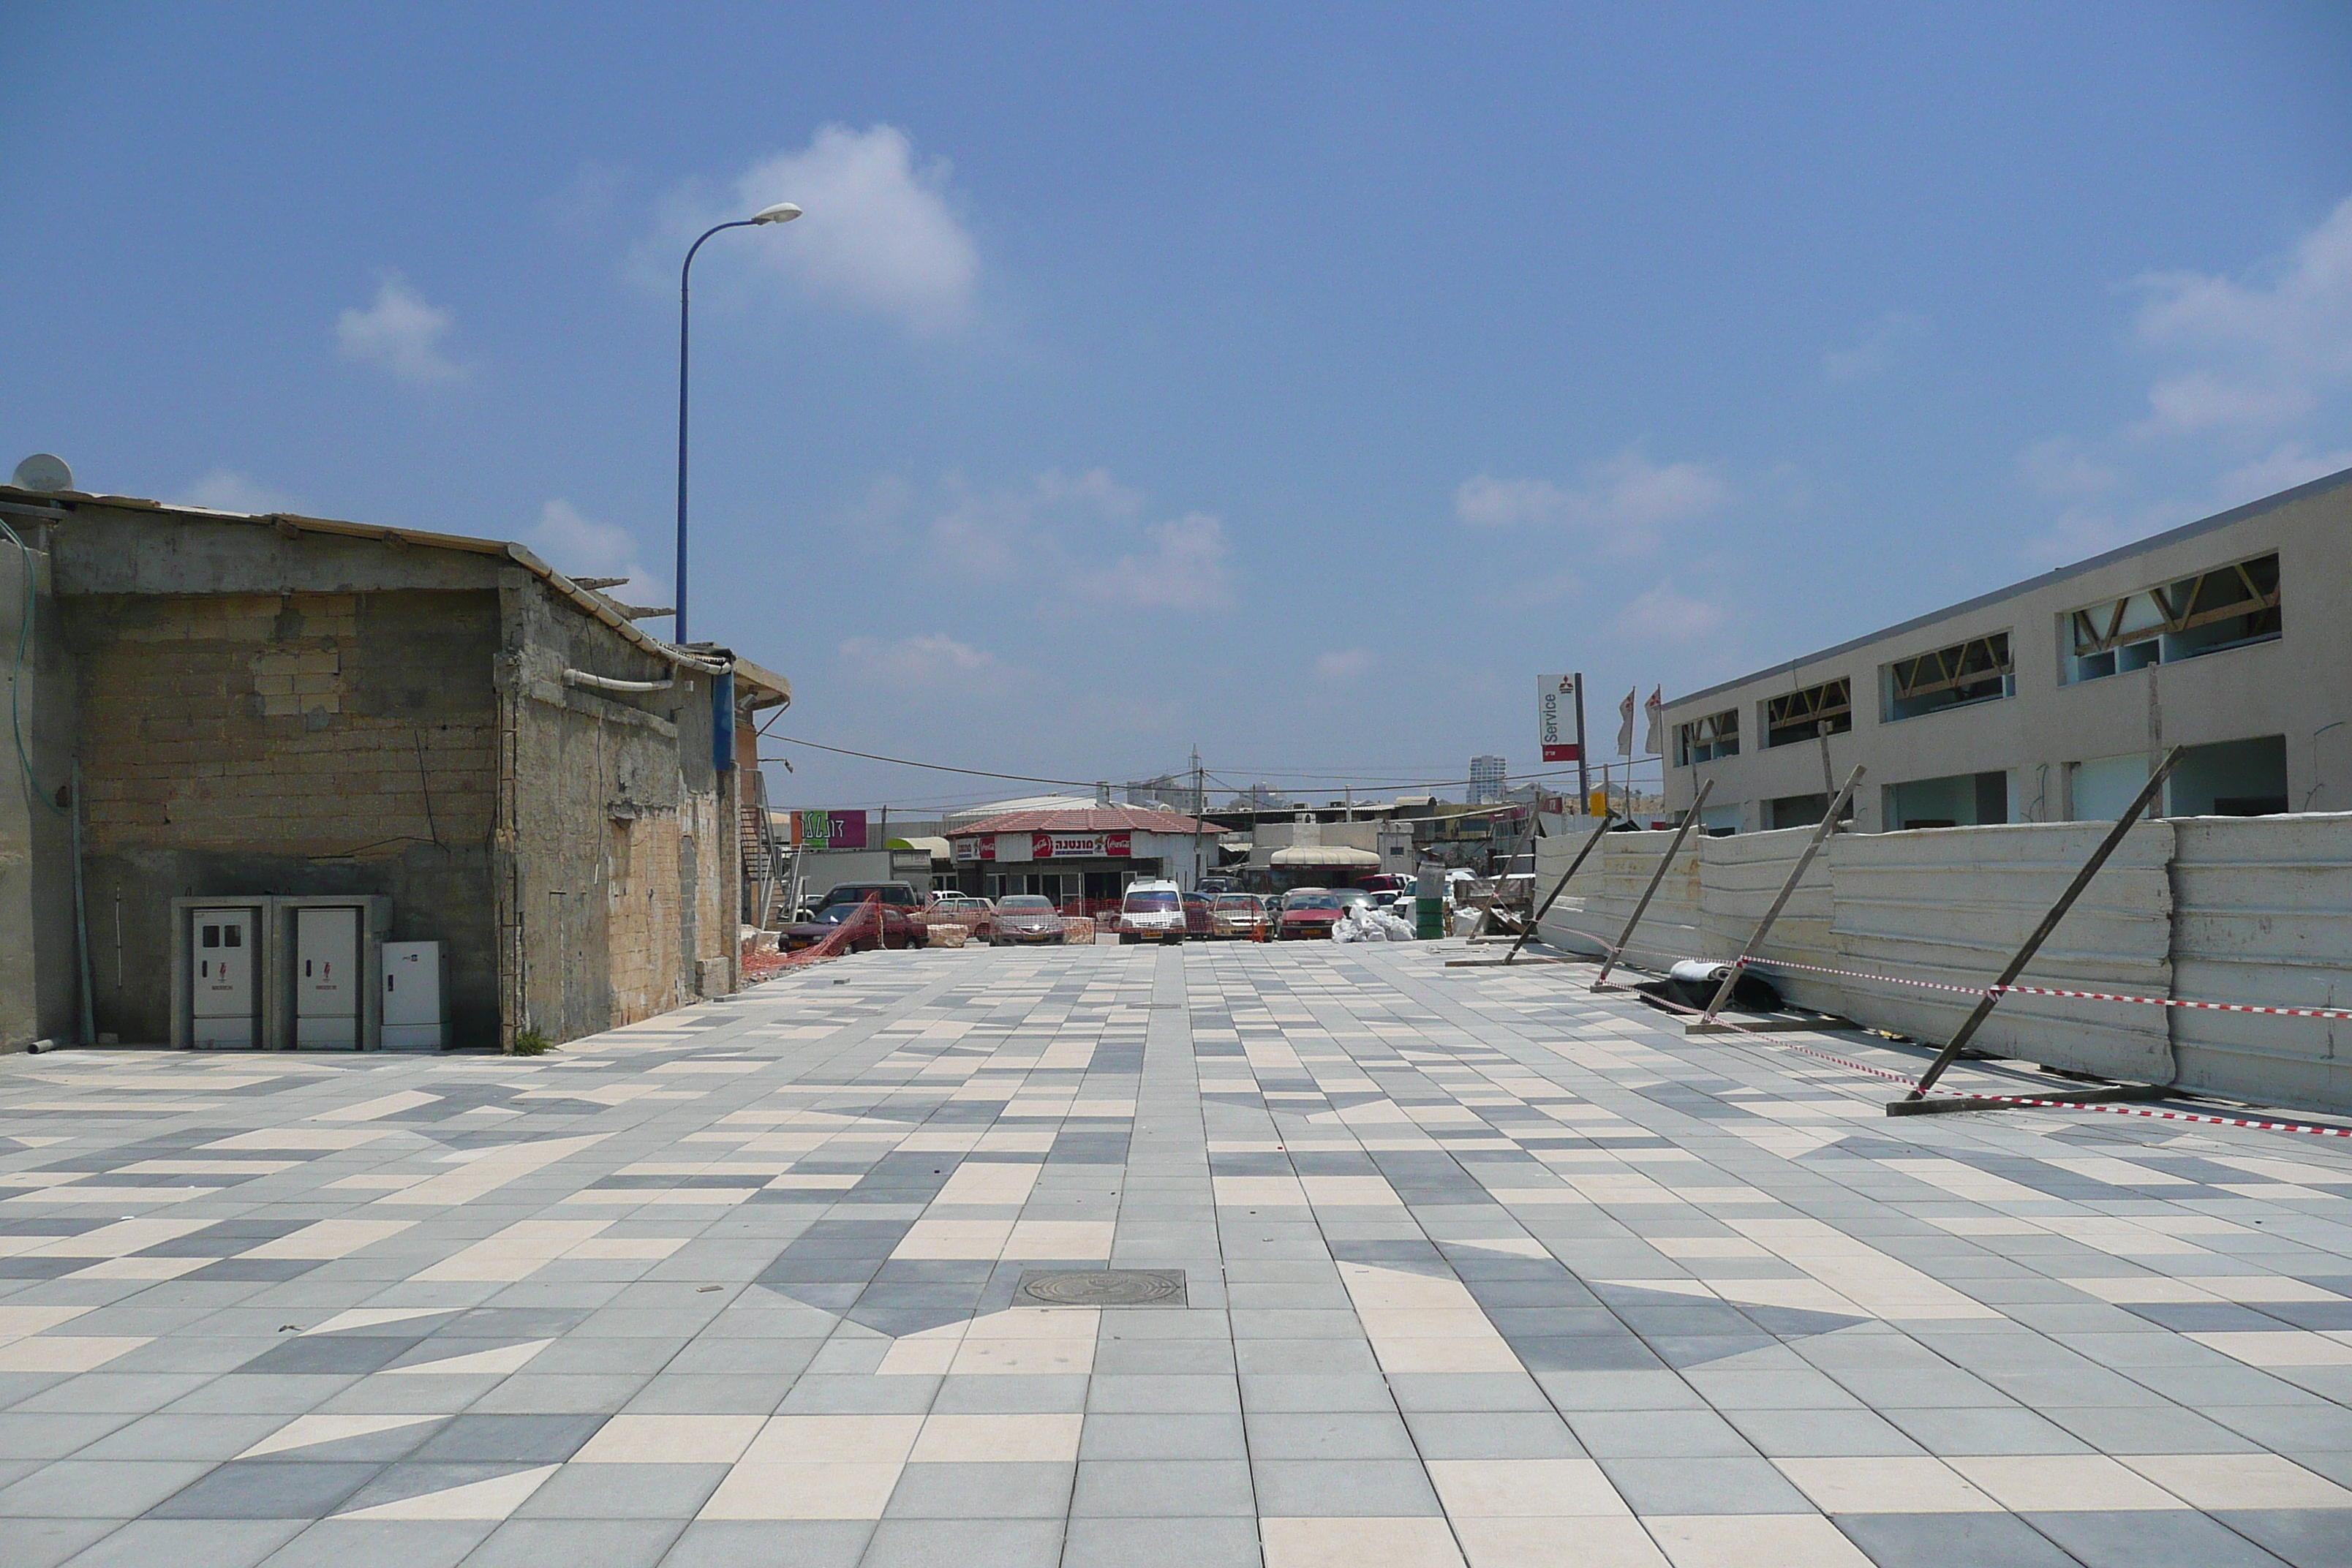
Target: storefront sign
x,y
1080,845
829,829
980,847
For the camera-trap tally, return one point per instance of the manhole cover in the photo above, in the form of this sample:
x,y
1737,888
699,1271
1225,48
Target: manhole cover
x,y
1104,1287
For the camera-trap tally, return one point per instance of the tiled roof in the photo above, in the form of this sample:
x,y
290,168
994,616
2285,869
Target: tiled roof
x,y
1092,819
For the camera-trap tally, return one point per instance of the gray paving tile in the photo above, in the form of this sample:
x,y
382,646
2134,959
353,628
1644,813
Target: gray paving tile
x,y
766,1543
997,1490
97,1489
1329,1488
1144,1543
211,1543
965,1543
1688,1485
1142,1489
381,1544
2307,1538
1950,1541
2172,1539
602,1543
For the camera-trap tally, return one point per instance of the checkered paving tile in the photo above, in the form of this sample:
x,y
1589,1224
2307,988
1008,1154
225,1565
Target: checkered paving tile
x,y
1482,1271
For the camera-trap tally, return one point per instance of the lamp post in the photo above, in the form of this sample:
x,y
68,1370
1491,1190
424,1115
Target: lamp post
x,y
782,212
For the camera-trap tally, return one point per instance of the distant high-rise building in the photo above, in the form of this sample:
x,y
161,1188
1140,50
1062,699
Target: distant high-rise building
x,y
1489,777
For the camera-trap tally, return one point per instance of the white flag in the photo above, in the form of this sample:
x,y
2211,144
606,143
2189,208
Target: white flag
x,y
1625,723
1654,739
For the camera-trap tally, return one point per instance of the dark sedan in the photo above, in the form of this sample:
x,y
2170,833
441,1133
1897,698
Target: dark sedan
x,y
1196,916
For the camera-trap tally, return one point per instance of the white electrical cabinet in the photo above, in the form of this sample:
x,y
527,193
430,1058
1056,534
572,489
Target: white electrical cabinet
x,y
224,943
278,973
413,1017
327,977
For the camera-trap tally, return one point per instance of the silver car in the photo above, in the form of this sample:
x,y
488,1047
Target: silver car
x,y
1026,918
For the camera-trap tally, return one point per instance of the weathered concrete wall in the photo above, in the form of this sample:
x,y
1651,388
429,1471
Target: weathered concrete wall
x,y
38,990
1673,926
1738,880
292,743
622,883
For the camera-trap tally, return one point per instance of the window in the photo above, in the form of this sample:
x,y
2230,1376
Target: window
x,y
1703,740
1977,671
1824,710
2227,607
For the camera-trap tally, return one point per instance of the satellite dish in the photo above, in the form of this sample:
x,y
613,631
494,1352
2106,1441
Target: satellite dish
x,y
43,472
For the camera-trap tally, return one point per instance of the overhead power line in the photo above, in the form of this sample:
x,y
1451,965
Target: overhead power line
x,y
1089,783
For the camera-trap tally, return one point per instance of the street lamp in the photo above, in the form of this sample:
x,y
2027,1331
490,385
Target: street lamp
x,y
782,212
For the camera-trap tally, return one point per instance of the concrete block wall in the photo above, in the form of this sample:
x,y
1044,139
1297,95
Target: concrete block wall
x,y
295,743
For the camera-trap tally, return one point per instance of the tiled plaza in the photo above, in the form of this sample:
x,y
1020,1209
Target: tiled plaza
x,y
1478,1269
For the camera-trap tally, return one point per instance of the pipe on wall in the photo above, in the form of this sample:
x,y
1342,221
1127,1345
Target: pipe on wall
x,y
607,682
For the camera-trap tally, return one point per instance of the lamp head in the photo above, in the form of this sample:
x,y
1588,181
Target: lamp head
x,y
782,212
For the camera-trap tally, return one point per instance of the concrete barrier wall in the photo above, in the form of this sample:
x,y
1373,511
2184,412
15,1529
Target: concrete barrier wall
x,y
1953,904
2263,914
2254,910
1671,929
1739,879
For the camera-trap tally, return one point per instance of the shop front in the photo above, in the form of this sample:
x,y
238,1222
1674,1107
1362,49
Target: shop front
x,y
1080,858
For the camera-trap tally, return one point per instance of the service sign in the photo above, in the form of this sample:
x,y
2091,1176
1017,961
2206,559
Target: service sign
x,y
829,829
1558,730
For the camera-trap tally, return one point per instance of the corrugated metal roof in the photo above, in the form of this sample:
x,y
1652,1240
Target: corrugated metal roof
x,y
1091,819
704,657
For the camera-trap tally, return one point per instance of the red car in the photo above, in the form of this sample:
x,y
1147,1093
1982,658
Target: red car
x,y
896,929
1308,913
1196,916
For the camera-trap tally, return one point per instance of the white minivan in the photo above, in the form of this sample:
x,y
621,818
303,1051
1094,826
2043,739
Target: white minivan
x,y
1153,912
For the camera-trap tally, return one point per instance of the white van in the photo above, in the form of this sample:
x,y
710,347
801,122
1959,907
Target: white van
x,y
1152,912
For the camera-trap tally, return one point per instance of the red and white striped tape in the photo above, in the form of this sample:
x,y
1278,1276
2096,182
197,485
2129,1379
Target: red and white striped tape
x,y
1766,1037
2053,991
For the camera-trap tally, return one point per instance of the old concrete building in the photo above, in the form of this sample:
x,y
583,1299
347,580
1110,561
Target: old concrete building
x,y
271,709
2051,700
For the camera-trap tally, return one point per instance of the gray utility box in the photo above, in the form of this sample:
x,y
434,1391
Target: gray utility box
x,y
416,1010
278,974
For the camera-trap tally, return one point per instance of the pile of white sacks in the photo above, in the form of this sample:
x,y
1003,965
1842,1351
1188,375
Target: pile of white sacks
x,y
1362,922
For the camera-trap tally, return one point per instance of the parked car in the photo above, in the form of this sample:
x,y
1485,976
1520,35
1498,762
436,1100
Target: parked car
x,y
896,929
1152,911
1388,882
966,910
1196,915
1238,916
1308,914
1023,918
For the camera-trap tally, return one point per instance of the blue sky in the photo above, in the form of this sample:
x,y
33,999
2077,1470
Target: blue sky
x,y
1296,384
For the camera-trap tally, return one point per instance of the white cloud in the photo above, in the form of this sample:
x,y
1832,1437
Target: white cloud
x,y
1184,570
579,546
2283,469
226,490
2058,467
880,233
401,333
1663,613
2267,350
1342,665
1870,356
1625,503
929,663
2199,400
